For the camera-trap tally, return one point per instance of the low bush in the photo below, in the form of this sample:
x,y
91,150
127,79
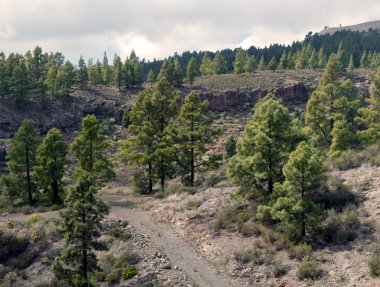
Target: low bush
x,y
233,216
339,228
120,233
130,271
300,251
354,158
374,265
279,269
309,269
114,277
127,258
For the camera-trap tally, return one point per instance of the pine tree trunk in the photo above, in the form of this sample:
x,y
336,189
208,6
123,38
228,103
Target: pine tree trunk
x,y
192,171
150,178
28,177
162,180
55,191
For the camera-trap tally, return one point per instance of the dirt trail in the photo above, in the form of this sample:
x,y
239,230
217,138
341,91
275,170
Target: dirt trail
x,y
174,247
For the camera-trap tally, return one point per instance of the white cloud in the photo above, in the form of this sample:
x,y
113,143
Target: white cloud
x,y
158,28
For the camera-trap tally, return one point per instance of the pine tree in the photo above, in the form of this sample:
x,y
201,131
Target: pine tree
x,y
340,56
272,65
262,64
369,117
117,72
219,64
283,65
206,65
302,60
178,73
351,66
250,65
132,70
51,81
303,173
89,148
66,78
82,73
36,67
364,60
106,70
328,103
81,228
263,149
313,62
22,155
151,78
4,76
240,61
193,131
191,70
167,71
150,144
321,59
51,164
19,82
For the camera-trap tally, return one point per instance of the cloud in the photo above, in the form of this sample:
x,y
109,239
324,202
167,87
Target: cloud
x,y
158,28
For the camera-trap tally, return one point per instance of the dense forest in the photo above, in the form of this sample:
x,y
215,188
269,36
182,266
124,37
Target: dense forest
x,y
50,76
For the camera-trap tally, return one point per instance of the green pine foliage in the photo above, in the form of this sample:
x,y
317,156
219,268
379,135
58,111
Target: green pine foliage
x,y
82,73
22,158
150,144
263,149
369,116
272,65
219,64
240,61
206,67
193,131
191,70
117,72
50,166
89,148
81,228
293,206
328,103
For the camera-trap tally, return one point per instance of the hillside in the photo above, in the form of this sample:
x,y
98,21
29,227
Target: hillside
x,y
363,27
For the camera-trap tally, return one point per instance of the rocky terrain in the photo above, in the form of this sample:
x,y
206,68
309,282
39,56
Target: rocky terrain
x,y
363,27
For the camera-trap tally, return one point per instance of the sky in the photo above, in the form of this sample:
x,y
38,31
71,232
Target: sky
x,y
158,28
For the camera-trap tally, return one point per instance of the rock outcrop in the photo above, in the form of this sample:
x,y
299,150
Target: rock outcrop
x,y
293,95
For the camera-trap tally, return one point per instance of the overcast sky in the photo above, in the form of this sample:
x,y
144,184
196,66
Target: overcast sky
x,y
158,28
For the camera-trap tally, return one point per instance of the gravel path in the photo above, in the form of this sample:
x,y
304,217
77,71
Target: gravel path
x,y
175,248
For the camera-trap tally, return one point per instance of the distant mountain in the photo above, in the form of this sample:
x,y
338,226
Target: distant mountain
x,y
363,27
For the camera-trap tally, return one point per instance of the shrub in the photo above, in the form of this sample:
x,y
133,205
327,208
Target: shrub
x,y
127,258
300,251
309,269
340,228
230,147
193,204
279,269
374,265
120,233
129,272
232,214
115,276
100,276
351,158
179,188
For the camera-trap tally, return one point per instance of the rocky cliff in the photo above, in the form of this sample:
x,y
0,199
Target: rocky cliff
x,y
293,95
